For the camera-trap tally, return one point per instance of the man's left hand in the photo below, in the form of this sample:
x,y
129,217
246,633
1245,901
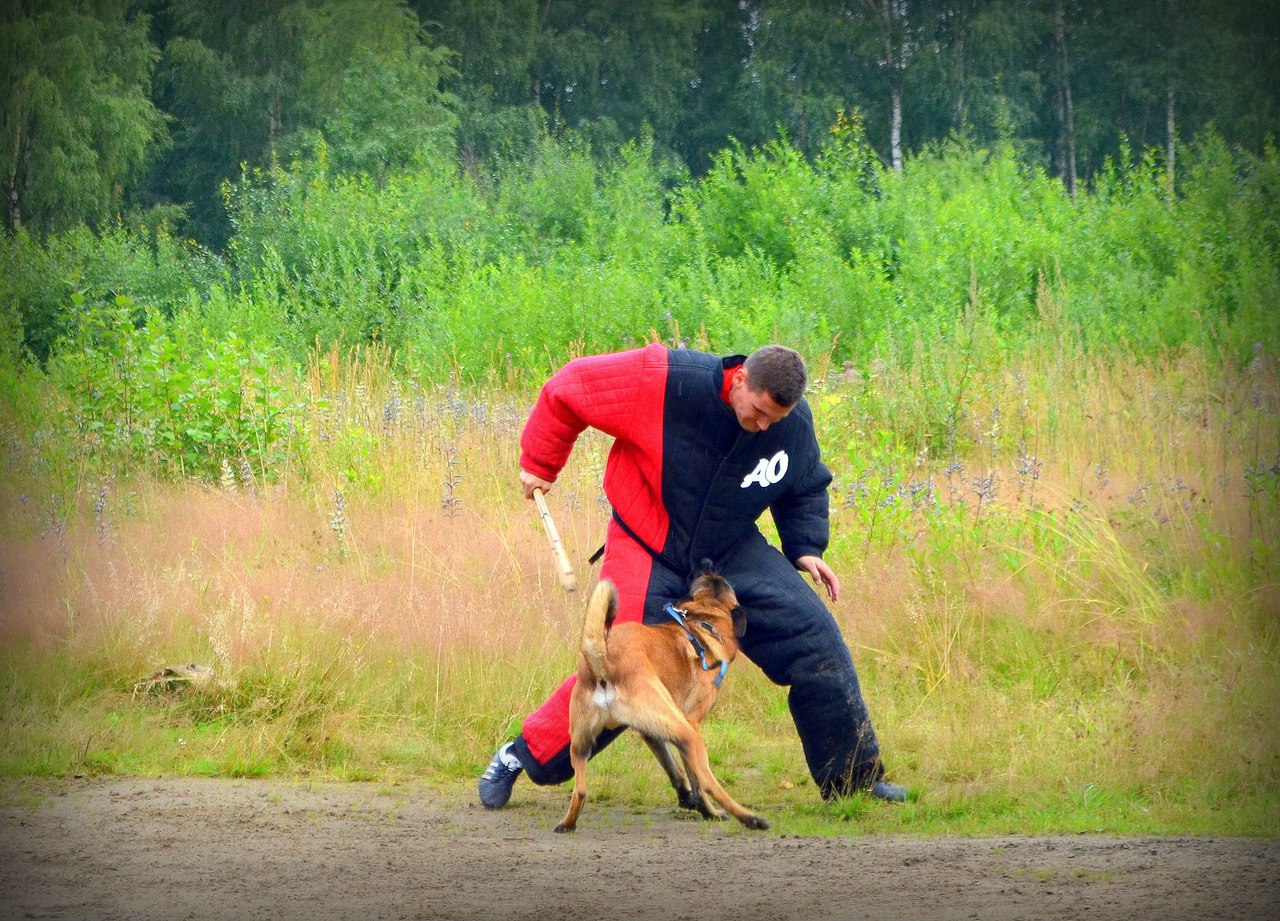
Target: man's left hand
x,y
821,573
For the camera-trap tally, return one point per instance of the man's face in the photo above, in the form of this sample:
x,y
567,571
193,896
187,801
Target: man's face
x,y
755,409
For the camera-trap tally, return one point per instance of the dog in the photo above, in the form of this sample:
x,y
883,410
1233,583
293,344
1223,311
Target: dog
x,y
661,681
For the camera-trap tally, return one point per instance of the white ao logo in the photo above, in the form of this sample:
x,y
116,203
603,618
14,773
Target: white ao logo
x,y
769,471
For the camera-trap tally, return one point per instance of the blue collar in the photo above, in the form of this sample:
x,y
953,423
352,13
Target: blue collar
x,y
677,615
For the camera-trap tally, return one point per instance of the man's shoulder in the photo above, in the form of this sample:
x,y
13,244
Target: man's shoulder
x,y
657,354
609,364
689,358
694,376
803,412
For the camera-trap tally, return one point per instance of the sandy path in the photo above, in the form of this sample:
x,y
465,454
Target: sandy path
x,y
217,849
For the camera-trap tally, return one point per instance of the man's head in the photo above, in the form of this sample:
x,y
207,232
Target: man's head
x,y
767,386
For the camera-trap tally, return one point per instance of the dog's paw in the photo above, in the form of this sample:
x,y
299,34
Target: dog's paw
x,y
689,800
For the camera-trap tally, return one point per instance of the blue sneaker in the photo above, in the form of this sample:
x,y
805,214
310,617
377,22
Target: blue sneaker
x,y
889,792
499,777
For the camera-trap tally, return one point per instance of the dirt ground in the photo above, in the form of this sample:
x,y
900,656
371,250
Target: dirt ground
x,y
95,850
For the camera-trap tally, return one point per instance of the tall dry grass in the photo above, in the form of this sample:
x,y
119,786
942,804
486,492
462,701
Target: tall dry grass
x,y
1060,587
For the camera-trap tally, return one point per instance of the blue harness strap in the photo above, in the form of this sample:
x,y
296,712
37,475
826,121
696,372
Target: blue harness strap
x,y
677,615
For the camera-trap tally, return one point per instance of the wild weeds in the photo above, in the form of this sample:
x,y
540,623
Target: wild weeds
x,y
451,502
1015,617
227,478
101,523
339,524
247,481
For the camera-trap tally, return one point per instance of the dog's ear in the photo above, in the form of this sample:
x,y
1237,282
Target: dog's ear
x,y
739,621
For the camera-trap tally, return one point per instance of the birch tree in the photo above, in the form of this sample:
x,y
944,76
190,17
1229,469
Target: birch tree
x,y
77,121
1064,103
896,43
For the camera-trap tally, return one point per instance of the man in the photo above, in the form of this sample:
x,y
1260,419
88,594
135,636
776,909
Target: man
x,y
702,446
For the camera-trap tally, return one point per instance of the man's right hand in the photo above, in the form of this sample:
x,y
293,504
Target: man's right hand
x,y
530,482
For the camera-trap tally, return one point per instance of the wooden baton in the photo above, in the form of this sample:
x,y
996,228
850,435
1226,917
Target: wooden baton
x,y
563,567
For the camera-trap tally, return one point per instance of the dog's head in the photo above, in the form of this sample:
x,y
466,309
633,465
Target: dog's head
x,y
710,594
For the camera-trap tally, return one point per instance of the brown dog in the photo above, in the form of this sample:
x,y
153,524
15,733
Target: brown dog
x,y
660,681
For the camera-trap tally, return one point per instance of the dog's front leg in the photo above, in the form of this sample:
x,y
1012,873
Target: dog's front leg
x,y
700,801
662,720
695,758
687,793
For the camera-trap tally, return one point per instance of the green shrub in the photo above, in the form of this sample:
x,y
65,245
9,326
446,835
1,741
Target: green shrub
x,y
141,388
525,262
155,268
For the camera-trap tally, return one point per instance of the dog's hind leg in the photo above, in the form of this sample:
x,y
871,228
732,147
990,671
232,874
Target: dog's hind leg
x,y
688,795
585,723
578,759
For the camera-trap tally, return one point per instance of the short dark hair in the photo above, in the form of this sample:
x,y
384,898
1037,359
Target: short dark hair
x,y
779,371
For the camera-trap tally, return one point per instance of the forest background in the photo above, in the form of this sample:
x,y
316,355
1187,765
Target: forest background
x,y
279,280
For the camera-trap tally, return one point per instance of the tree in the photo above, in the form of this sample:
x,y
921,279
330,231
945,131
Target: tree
x,y
894,32
227,72
1064,106
495,44
253,81
975,72
799,71
708,115
952,23
617,65
77,122
1158,74
371,86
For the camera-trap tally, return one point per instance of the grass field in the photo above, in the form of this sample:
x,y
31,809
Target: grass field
x,y
1061,585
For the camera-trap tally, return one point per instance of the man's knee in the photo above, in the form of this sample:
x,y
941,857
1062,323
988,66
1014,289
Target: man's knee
x,y
800,644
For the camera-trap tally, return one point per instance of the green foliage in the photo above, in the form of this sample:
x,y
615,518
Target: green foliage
x,y
332,258
450,266
1151,268
973,226
546,199
76,116
38,280
105,107
143,390
250,83
381,108
522,266
754,203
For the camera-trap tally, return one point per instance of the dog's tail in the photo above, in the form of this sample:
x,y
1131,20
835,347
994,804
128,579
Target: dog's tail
x,y
601,610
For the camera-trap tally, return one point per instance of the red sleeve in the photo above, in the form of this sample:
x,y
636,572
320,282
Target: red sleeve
x,y
601,391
